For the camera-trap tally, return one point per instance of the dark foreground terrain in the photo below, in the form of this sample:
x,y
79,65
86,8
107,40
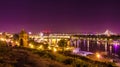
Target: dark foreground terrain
x,y
26,57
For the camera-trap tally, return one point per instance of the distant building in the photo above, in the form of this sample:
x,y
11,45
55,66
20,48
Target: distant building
x,y
23,38
108,33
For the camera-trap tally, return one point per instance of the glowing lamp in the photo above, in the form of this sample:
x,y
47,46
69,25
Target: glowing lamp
x,y
11,41
40,47
31,46
30,33
2,39
49,48
54,49
98,55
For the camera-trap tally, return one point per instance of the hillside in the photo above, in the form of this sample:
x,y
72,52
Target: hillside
x,y
26,57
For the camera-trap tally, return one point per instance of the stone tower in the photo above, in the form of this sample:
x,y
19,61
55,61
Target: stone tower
x,y
23,38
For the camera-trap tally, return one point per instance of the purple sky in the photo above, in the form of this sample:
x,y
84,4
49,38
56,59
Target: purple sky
x,y
60,15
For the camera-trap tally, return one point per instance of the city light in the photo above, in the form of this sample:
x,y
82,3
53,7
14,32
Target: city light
x,y
98,55
17,43
31,46
54,49
29,33
40,47
41,34
11,41
67,48
2,39
49,48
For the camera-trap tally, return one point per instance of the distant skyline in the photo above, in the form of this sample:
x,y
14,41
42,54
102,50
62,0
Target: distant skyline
x,y
65,16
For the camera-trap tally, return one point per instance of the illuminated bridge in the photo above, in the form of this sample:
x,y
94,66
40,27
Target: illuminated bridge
x,y
52,39
88,42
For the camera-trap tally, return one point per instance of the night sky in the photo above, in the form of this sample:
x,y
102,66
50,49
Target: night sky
x,y
60,15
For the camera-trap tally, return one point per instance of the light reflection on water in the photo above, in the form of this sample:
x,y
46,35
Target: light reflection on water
x,y
94,46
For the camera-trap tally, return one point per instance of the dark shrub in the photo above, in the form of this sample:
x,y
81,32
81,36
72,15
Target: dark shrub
x,y
49,55
109,65
68,61
46,54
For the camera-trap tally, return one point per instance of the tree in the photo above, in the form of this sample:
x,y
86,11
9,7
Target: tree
x,y
16,37
62,44
45,46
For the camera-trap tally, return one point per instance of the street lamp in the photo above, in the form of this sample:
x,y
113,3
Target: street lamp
x,y
98,55
31,46
54,49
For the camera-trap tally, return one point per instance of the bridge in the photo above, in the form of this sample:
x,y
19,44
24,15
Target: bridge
x,y
88,42
52,39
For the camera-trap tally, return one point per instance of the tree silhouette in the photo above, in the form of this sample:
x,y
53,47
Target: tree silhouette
x,y
16,37
45,46
62,44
